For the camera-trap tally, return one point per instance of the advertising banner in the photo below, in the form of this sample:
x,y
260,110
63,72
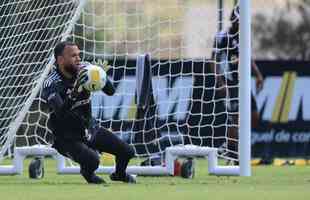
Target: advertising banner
x,y
188,106
284,106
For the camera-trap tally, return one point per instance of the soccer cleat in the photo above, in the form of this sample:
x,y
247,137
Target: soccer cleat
x,y
93,179
96,180
126,179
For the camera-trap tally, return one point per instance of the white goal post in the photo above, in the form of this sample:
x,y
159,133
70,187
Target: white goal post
x,y
180,116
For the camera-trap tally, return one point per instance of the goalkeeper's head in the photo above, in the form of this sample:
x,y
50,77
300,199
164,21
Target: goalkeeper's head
x,y
67,56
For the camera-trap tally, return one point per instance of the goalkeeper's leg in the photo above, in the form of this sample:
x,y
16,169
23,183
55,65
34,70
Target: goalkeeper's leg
x,y
233,131
105,141
232,143
233,124
82,154
255,113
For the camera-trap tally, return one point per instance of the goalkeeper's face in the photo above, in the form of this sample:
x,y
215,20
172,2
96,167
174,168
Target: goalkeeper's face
x,y
70,59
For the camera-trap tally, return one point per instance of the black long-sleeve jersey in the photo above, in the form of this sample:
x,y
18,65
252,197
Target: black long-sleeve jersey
x,y
70,114
226,53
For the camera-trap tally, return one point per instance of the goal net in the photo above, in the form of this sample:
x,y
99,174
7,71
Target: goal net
x,y
181,104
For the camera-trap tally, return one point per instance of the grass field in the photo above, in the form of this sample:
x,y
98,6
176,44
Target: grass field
x,y
266,182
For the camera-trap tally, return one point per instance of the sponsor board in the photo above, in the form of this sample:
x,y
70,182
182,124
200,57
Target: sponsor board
x,y
284,107
184,104
183,95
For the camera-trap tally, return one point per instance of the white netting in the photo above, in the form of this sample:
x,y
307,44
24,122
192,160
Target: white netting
x,y
29,32
177,34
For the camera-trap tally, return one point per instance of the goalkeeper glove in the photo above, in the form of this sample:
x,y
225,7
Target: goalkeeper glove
x,y
103,64
82,78
78,84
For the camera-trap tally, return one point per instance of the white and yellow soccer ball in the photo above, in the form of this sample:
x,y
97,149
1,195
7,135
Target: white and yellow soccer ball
x,y
96,78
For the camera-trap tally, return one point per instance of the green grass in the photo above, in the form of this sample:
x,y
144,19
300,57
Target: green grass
x,y
266,182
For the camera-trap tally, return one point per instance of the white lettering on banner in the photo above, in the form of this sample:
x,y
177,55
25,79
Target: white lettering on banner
x,y
179,94
301,137
265,137
268,96
120,102
280,137
178,97
301,97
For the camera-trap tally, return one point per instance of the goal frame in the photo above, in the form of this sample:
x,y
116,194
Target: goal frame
x,y
244,169
245,88
14,125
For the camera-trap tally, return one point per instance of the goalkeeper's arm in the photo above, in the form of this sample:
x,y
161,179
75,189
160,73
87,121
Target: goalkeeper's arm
x,y
258,75
108,88
60,106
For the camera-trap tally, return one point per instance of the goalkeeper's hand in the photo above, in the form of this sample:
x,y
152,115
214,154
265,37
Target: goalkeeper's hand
x,y
78,84
108,89
82,77
103,64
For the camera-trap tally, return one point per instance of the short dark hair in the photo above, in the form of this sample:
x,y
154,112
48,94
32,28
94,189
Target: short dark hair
x,y
59,48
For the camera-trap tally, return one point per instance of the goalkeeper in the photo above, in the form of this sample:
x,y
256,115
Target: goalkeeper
x,y
226,54
77,136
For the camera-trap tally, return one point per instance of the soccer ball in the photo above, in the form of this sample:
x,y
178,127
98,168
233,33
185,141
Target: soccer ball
x,y
96,78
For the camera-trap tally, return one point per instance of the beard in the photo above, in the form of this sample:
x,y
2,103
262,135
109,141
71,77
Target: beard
x,y
72,69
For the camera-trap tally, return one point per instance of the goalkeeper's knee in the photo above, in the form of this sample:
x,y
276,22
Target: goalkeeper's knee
x,y
130,152
127,153
89,161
